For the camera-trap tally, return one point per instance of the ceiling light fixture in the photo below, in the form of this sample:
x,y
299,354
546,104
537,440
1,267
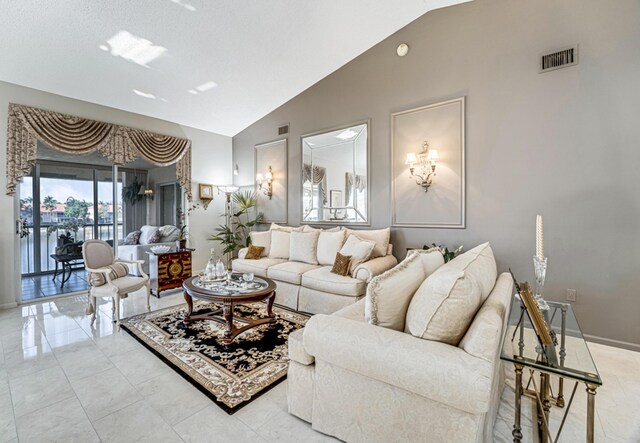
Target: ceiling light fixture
x,y
186,6
206,86
347,134
133,48
402,49
144,94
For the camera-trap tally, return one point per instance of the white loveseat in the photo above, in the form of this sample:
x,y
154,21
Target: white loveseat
x,y
167,236
310,286
363,382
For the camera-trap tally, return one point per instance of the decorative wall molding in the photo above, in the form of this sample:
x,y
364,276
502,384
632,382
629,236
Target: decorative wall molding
x,y
274,154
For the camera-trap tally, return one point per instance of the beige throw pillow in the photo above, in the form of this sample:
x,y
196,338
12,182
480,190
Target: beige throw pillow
x,y
118,270
280,241
381,238
285,228
389,294
447,301
262,238
329,244
359,250
303,247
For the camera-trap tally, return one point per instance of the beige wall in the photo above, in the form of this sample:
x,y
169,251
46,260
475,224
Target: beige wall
x,y
211,163
563,144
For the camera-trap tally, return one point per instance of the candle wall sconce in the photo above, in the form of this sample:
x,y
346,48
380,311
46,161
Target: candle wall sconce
x,y
267,188
426,161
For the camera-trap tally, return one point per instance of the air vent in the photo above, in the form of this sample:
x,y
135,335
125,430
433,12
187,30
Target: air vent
x,y
559,59
284,129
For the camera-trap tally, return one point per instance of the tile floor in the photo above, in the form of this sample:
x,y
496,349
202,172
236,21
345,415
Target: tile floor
x,y
62,379
41,286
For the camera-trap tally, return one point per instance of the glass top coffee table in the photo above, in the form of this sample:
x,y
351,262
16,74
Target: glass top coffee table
x,y
229,293
569,358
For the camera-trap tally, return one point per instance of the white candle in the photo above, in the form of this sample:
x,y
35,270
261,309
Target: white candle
x,y
539,238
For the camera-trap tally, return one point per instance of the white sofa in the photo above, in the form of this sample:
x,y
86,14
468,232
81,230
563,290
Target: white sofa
x,y
367,383
313,288
168,236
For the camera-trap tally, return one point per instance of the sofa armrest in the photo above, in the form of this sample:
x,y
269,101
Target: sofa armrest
x,y
242,253
369,269
438,371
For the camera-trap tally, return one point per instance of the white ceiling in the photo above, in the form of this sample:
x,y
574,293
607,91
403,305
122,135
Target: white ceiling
x,y
259,53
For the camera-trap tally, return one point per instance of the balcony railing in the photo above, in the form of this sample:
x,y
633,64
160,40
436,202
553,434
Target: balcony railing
x,y
48,243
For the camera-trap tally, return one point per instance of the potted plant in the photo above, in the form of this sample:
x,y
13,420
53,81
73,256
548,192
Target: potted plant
x,y
446,253
236,235
183,234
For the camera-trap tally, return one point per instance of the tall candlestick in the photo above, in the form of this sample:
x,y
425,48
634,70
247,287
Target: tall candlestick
x,y
539,238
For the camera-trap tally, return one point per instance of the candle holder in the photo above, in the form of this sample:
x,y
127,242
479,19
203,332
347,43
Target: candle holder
x,y
540,269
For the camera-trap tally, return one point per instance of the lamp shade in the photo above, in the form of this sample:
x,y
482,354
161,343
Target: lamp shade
x,y
433,155
259,177
269,175
411,159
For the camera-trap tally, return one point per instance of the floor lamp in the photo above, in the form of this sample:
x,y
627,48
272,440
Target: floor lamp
x,y
228,191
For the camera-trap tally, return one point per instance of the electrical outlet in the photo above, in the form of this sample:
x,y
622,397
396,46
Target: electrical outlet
x,y
572,295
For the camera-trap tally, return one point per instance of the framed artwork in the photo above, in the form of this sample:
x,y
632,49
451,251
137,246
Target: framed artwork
x,y
335,197
205,191
428,165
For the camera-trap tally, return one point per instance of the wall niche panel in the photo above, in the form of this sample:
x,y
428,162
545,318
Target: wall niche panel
x,y
273,154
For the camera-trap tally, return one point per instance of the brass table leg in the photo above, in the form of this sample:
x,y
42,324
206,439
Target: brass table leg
x,y
517,429
591,413
545,380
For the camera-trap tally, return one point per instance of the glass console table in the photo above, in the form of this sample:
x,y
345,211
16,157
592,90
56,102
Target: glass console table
x,y
571,360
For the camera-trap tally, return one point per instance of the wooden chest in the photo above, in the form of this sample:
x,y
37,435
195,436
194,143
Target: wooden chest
x,y
169,270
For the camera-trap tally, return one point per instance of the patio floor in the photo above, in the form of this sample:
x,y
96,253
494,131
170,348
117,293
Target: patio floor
x,y
41,286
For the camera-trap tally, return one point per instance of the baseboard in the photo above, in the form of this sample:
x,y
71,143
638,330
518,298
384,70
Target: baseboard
x,y
612,342
8,306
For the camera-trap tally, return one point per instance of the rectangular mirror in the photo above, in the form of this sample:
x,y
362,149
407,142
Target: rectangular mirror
x,y
335,175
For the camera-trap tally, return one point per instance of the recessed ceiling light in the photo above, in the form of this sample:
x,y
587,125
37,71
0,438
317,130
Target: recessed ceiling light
x,y
206,86
346,135
186,6
193,91
133,48
144,94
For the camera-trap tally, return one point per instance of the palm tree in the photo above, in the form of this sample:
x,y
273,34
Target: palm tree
x,y
50,204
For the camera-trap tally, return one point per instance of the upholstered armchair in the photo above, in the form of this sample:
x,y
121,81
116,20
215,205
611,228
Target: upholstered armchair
x,y
107,279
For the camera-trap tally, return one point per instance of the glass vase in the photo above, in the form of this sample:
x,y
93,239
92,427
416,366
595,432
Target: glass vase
x,y
540,269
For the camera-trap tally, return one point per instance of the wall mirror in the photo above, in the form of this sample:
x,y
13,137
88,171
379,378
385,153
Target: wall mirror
x,y
335,175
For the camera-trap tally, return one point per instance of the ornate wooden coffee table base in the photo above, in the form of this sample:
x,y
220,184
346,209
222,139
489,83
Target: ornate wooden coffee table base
x,y
225,316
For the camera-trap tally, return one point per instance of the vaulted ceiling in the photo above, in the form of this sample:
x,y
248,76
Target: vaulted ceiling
x,y
217,65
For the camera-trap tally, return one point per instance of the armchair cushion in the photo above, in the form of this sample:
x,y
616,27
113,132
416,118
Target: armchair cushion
x,y
423,367
123,285
118,270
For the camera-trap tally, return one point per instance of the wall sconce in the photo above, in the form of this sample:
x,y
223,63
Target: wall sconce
x,y
148,193
236,170
427,162
268,189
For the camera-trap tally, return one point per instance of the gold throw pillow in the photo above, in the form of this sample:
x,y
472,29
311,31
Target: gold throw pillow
x,y
341,264
254,252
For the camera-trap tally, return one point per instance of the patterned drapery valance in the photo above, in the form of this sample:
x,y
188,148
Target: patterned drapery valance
x,y
316,175
352,181
76,135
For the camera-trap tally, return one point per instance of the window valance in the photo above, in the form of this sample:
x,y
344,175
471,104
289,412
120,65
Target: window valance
x,y
76,135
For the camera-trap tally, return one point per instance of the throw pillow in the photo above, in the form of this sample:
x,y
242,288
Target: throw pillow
x,y
279,244
329,244
146,232
307,228
254,252
168,233
155,238
132,238
381,238
285,228
389,294
431,259
118,270
444,306
341,264
303,247
262,238
359,250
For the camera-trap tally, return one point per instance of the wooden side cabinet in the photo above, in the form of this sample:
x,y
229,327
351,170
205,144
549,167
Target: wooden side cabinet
x,y
169,270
